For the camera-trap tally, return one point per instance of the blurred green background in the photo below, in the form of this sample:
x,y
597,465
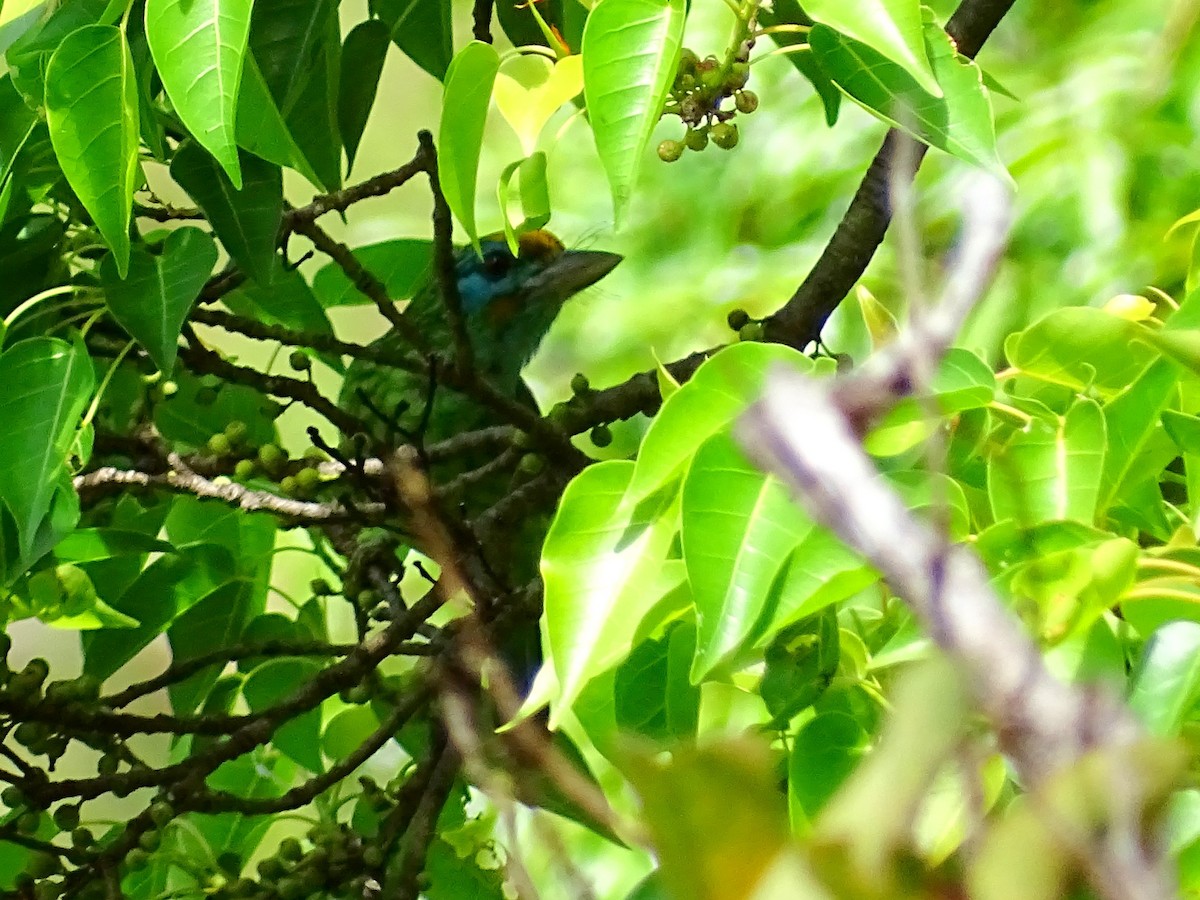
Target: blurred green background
x,y
1103,145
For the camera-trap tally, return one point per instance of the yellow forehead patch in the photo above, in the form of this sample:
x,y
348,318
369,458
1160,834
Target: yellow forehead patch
x,y
539,245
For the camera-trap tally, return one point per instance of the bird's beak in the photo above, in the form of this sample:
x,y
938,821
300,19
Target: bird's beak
x,y
570,273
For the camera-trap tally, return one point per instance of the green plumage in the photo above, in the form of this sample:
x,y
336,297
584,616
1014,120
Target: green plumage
x,y
509,303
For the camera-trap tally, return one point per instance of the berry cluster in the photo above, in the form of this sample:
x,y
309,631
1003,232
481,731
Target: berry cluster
x,y
701,89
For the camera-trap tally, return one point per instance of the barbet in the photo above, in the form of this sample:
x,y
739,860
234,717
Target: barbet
x,y
509,303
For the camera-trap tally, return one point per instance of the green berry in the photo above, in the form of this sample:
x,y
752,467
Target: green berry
x,y
289,486
688,61
696,138
299,361
66,818
137,858
845,362
747,101
530,464
219,445
42,865
669,151
751,331
236,431
169,388
725,135
27,823
737,319
161,813
12,797
149,841
372,857
308,479
601,435
107,765
580,384
82,837
244,469
739,74
357,695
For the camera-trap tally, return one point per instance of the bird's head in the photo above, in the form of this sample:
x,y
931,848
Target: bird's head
x,y
510,302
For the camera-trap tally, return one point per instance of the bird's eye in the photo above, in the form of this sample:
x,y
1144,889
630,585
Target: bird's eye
x,y
496,265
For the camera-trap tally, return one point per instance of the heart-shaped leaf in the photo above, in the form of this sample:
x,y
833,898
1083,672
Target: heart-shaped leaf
x,y
49,382
153,300
530,89
92,111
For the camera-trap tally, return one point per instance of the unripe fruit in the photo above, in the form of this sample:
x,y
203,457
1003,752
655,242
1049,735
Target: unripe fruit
x,y
244,469
161,813
66,818
236,431
751,331
580,384
219,445
601,435
299,361
308,479
137,858
290,849
739,74
724,135
737,319
530,464
169,388
289,486
696,138
747,101
669,151
271,456
688,61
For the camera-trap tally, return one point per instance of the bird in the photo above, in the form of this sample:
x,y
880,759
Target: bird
x,y
509,303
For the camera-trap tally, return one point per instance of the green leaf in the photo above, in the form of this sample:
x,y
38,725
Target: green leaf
x,y
92,544
50,382
27,55
164,588
716,819
286,37
153,301
824,753
1131,420
600,554
362,62
1051,469
535,197
198,48
892,28
530,89
271,683
721,388
92,112
465,103
261,128
402,265
246,220
347,730
1166,683
1080,347
313,118
738,529
214,621
960,122
630,54
788,12
422,29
